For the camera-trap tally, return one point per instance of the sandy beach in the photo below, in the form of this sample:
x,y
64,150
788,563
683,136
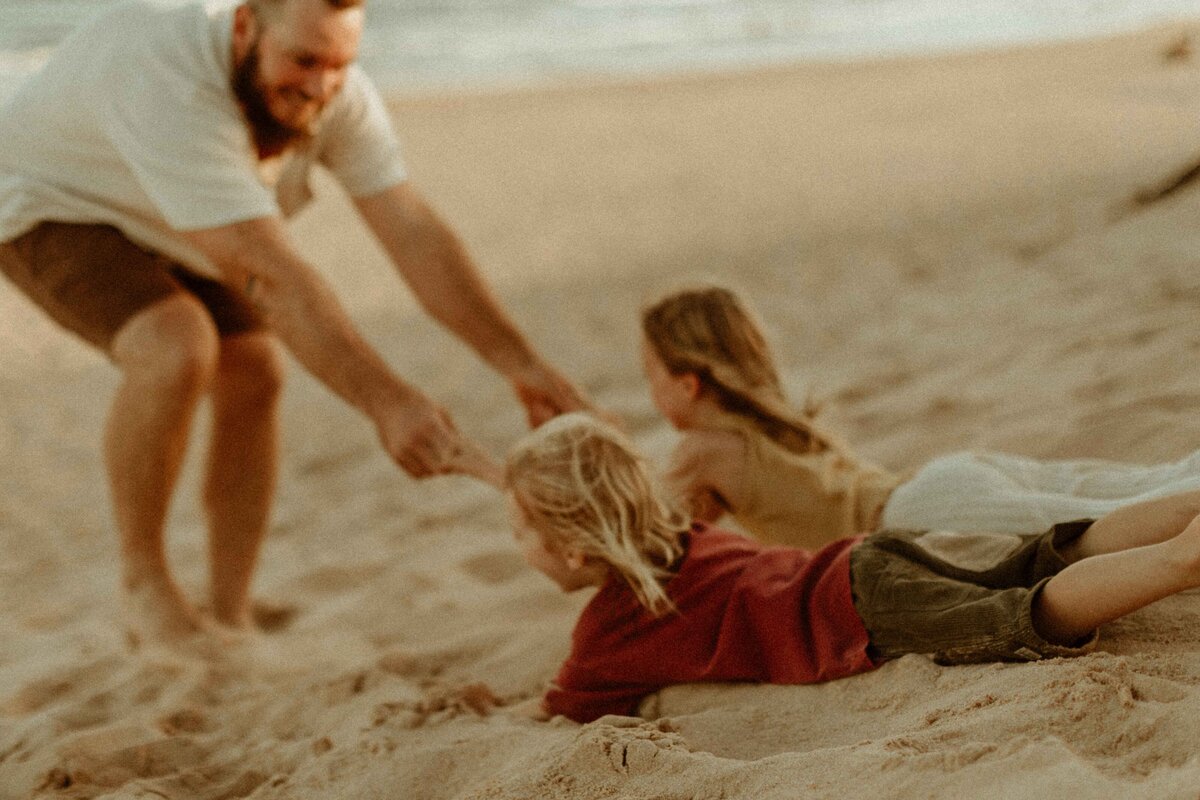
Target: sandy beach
x,y
950,252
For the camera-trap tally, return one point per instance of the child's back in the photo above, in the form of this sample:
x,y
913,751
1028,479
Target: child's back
x,y
745,612
778,495
745,450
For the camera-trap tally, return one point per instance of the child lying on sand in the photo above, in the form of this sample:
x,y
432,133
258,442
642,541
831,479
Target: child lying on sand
x,y
747,452
682,603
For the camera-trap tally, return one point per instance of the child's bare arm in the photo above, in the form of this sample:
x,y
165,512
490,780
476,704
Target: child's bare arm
x,y
473,460
706,505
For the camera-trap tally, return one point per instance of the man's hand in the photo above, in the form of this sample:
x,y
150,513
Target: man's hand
x,y
418,434
546,394
421,437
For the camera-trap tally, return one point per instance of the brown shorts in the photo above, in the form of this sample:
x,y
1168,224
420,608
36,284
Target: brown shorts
x,y
91,280
958,597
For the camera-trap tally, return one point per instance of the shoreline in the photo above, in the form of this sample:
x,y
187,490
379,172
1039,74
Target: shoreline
x,y
398,90
761,172
393,83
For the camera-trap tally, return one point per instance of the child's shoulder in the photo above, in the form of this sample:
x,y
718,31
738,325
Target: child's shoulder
x,y
711,445
705,540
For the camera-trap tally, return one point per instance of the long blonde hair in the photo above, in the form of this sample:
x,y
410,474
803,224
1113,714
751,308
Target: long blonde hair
x,y
707,331
581,484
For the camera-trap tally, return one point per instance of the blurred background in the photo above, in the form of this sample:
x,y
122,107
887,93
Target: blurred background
x,y
443,44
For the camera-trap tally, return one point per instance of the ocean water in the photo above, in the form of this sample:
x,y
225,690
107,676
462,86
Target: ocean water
x,y
456,43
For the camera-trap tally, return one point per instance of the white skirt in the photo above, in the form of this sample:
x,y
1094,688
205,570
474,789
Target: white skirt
x,y
1013,494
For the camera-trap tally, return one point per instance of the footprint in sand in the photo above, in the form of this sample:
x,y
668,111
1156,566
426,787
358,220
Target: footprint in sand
x,y
340,578
1172,402
887,381
187,719
110,757
498,566
272,617
37,695
101,699
45,691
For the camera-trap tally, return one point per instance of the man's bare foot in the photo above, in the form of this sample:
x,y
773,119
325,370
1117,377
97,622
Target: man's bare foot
x,y
260,615
155,610
241,620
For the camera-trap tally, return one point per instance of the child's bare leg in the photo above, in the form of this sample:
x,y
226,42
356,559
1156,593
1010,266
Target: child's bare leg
x,y
1102,588
1148,522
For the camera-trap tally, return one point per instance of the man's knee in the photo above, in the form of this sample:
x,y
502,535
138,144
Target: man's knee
x,y
251,369
173,344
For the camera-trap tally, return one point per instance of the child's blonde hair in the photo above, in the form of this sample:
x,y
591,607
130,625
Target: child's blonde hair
x,y
707,331
581,484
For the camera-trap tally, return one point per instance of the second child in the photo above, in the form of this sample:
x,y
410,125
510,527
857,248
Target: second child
x,y
746,451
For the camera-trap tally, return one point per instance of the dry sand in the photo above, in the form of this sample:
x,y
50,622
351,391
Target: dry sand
x,y
944,249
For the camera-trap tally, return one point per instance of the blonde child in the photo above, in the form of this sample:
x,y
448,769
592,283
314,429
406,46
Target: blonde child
x,y
746,451
680,603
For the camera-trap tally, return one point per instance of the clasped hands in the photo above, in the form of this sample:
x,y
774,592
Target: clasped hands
x,y
422,439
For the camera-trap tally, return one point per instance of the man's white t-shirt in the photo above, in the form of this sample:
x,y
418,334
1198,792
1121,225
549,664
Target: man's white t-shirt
x,y
133,122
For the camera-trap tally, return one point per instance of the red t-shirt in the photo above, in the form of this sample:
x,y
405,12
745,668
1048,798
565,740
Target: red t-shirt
x,y
747,612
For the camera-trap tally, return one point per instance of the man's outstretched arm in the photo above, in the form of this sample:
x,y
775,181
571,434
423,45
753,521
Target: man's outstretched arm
x,y
303,311
435,264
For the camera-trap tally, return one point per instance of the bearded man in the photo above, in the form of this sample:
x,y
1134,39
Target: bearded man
x,y
145,176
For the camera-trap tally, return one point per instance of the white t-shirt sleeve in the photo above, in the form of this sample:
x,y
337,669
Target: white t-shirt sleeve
x,y
360,147
186,144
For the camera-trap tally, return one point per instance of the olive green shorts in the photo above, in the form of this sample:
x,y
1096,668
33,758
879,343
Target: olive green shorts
x,y
958,597
91,280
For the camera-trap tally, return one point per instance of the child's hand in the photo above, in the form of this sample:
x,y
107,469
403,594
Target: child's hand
x,y
473,460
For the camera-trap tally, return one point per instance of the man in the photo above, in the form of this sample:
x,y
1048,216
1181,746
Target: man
x,y
144,178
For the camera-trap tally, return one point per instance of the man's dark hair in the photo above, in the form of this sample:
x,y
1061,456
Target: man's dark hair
x,y
267,9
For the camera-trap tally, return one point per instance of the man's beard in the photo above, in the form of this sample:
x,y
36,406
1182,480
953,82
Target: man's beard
x,y
270,135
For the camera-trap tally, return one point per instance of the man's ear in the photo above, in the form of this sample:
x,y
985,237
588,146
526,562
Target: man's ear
x,y
245,27
691,384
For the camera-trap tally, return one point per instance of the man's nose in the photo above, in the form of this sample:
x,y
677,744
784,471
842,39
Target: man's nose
x,y
322,84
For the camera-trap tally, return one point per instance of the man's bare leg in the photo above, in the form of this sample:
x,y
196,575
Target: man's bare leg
x,y
242,468
167,354
1101,588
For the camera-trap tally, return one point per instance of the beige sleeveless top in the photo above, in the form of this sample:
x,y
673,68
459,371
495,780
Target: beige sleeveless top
x,y
802,500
